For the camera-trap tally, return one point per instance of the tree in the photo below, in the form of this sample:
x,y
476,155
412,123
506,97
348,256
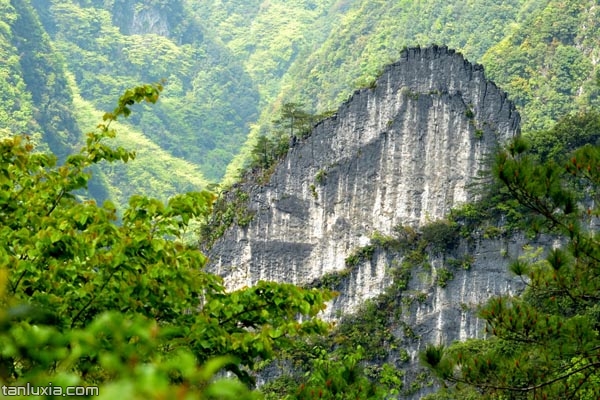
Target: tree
x,y
262,153
568,134
295,119
86,299
543,344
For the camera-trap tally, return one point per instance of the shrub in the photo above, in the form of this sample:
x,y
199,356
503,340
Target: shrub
x,y
444,275
441,235
320,177
360,254
313,191
384,241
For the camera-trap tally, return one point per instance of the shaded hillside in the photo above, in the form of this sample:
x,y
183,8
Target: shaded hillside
x,y
37,98
109,46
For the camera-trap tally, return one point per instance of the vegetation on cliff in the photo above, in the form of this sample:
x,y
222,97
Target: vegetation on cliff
x,y
544,342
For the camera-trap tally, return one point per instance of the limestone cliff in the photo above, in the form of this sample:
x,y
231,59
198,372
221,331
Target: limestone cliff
x,y
404,151
139,18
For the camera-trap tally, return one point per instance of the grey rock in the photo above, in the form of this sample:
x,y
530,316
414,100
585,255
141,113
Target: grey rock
x,y
134,20
403,152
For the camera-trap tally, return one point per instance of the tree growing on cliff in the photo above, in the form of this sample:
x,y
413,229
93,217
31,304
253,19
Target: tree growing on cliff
x,y
89,300
294,120
544,344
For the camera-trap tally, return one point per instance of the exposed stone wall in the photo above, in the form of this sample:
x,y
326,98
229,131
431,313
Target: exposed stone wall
x,y
404,151
136,19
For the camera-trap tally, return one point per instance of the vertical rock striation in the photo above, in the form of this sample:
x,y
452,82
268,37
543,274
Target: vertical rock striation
x,y
402,152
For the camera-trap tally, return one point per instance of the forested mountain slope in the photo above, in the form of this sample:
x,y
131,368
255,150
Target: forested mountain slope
x,y
352,207
543,52
549,62
35,96
230,66
112,45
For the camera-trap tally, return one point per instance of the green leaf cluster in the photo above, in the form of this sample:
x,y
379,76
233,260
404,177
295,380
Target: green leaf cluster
x,y
86,299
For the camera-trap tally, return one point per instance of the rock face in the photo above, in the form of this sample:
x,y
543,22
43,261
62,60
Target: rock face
x,y
402,152
134,19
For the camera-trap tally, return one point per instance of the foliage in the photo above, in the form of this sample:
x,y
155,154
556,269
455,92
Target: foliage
x,y
331,280
359,255
335,379
546,61
231,207
320,176
385,241
295,119
441,235
338,377
341,365
39,89
154,171
85,300
363,39
544,343
377,326
464,262
443,276
568,134
17,108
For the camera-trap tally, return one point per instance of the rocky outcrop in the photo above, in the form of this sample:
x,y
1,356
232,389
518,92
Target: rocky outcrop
x,y
427,311
404,151
136,18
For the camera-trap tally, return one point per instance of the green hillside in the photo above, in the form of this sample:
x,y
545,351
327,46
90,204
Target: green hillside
x,y
229,66
117,297
366,38
542,52
549,62
35,96
111,45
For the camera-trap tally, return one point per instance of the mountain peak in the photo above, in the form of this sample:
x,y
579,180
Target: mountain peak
x,y
403,151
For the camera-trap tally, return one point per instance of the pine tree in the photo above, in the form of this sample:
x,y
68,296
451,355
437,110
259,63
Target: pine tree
x,y
543,344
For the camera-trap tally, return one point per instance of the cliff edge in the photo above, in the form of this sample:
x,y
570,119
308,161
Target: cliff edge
x,y
404,151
